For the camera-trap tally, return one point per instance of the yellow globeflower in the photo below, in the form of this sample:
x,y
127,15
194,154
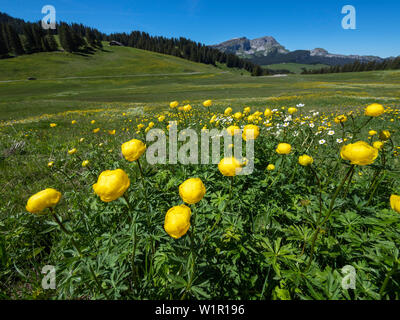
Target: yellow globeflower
x,y
72,151
228,111
384,135
174,104
93,121
340,119
47,198
207,103
177,221
238,115
283,148
73,121
133,149
96,130
250,131
52,125
305,160
85,163
151,124
112,132
229,166
50,164
192,190
395,202
246,110
372,132
187,108
292,110
231,130
161,118
270,167
374,110
378,145
359,153
267,112
111,184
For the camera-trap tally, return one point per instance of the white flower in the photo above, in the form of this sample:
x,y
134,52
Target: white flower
x,y
331,132
322,141
286,124
312,125
300,105
295,134
339,140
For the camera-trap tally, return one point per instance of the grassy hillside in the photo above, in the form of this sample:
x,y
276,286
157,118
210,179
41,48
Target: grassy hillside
x,y
119,77
112,61
294,67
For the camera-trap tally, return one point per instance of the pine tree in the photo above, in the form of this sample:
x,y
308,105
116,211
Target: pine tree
x,y
66,39
53,46
29,40
14,41
3,46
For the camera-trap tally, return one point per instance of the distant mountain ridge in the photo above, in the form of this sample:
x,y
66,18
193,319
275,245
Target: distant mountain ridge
x,y
267,50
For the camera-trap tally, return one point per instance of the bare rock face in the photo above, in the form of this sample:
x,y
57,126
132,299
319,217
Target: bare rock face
x,y
266,50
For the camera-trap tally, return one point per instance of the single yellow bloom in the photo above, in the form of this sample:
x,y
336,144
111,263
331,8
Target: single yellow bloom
x,y
378,145
268,112
187,108
73,121
283,148
292,110
151,124
246,110
85,163
395,202
174,104
96,130
250,131
207,103
340,119
270,167
305,160
192,190
50,164
228,111
359,153
231,130
238,115
111,184
229,166
161,118
374,110
47,198
72,151
81,139
112,132
177,221
372,132
384,135
133,149
93,121
52,125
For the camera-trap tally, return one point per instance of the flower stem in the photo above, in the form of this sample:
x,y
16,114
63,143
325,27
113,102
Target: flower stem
x,y
388,276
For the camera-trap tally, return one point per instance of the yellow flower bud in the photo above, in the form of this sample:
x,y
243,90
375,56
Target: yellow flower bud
x,y
340,119
177,221
231,130
85,163
395,202
229,166
73,121
52,125
47,198
96,130
283,148
292,110
238,115
372,132
384,135
359,153
250,131
374,110
305,160
72,151
111,184
192,190
207,103
270,167
378,145
133,149
228,111
268,112
174,104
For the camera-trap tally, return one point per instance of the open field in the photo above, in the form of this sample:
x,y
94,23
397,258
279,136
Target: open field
x,y
280,233
295,67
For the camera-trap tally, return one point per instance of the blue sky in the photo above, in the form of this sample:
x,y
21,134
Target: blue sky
x,y
296,24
